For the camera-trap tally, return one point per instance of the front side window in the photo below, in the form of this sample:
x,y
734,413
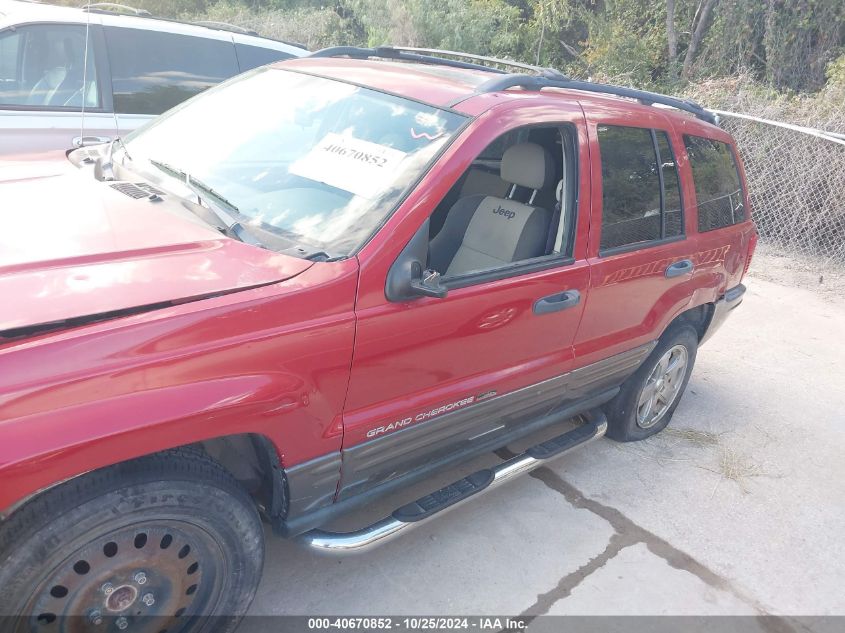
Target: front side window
x,y
302,159
153,71
44,66
717,187
641,195
515,204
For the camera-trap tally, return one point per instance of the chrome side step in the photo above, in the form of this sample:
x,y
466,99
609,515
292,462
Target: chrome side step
x,y
454,494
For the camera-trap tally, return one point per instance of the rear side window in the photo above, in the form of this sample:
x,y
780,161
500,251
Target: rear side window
x,y
152,71
673,215
250,57
717,186
641,199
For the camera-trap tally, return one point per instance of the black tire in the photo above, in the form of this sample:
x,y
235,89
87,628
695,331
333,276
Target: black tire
x,y
166,542
622,411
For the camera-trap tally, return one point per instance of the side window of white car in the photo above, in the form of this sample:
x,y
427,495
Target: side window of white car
x,y
44,66
153,71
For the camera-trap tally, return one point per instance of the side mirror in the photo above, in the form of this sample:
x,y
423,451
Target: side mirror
x,y
407,278
429,285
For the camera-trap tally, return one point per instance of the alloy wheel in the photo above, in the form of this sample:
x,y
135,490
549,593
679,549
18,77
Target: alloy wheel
x,y
662,387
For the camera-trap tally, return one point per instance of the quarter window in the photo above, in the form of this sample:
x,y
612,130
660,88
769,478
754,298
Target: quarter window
x,y
717,186
44,66
632,198
154,71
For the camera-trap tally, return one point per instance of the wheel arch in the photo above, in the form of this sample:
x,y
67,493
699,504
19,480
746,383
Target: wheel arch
x,y
698,317
252,459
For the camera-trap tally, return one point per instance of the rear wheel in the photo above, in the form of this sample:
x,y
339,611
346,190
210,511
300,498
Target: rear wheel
x,y
647,400
169,542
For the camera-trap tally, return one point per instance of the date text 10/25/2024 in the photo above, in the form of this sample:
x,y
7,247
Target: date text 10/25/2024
x,y
433,623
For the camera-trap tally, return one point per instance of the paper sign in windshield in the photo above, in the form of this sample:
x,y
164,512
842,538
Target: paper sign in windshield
x,y
354,165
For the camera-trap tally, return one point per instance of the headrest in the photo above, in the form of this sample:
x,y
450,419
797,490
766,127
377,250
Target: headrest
x,y
527,165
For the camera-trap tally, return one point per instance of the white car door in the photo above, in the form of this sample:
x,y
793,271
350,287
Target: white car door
x,y
52,94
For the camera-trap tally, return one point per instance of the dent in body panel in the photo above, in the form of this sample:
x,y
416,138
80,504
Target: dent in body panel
x,y
272,361
312,484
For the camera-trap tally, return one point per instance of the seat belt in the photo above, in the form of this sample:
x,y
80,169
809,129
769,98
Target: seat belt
x,y
552,238
561,222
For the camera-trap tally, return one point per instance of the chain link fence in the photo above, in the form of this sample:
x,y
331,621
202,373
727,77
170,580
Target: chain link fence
x,y
796,182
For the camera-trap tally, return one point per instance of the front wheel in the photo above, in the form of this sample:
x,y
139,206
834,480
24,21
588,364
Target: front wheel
x,y
648,398
168,542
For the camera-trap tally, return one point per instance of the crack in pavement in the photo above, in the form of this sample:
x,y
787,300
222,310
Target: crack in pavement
x,y
627,533
566,584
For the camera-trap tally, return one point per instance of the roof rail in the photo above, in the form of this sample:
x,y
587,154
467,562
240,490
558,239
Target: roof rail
x,y
529,82
225,26
113,7
544,77
481,58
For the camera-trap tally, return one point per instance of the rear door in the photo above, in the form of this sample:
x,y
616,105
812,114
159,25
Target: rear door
x,y
641,261
153,71
44,84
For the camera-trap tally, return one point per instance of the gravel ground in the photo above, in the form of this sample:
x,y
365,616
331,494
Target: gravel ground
x,y
737,508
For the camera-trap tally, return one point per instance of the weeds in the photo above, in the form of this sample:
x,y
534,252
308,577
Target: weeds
x,y
737,467
731,465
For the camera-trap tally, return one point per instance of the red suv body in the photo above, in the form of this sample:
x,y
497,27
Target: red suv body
x,y
133,326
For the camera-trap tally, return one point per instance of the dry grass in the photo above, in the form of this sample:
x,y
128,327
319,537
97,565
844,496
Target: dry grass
x,y
693,436
673,445
738,468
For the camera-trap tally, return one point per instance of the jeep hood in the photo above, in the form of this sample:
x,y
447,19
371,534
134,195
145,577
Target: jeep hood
x,y
73,247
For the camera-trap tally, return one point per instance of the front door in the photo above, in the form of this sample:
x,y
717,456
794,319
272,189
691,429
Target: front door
x,y
49,74
436,376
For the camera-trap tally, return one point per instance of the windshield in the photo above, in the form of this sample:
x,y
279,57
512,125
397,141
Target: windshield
x,y
311,160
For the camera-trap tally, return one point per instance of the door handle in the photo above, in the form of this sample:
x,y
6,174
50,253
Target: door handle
x,y
557,302
85,141
679,268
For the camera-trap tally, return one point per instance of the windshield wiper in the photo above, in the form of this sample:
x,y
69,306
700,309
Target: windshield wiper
x,y
215,202
106,163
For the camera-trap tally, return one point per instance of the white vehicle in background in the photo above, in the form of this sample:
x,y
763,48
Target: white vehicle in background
x,y
57,93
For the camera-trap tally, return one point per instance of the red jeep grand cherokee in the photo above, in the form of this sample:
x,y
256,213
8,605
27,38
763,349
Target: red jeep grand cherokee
x,y
322,281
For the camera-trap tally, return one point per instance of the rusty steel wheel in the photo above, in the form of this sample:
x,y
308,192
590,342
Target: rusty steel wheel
x,y
144,577
161,555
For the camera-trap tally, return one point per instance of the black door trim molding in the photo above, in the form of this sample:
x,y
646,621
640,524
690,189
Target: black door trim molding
x,y
397,459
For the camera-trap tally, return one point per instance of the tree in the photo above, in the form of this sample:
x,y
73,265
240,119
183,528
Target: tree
x,y
672,39
701,24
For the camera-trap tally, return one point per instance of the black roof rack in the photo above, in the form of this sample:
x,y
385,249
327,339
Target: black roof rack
x,y
544,77
389,52
529,82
